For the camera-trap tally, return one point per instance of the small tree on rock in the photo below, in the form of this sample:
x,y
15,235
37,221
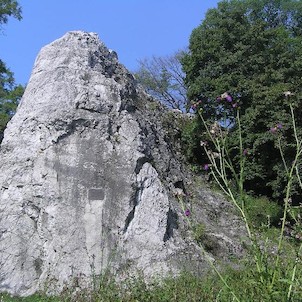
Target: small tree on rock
x,y
163,78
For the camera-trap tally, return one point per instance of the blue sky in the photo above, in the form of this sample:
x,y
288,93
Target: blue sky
x,y
135,29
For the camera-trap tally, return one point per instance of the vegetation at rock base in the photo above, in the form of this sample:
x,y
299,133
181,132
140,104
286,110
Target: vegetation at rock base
x,y
185,288
10,93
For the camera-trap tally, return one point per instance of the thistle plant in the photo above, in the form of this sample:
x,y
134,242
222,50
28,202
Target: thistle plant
x,y
187,214
229,175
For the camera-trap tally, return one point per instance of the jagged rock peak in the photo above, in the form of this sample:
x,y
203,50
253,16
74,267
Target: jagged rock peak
x,y
87,175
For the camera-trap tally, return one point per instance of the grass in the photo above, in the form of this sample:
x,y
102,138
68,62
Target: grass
x,y
186,287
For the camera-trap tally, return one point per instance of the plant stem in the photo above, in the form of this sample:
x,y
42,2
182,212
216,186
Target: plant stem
x,y
221,178
294,273
205,254
288,192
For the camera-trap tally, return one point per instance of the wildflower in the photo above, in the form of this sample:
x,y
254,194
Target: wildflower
x,y
245,152
203,143
218,99
179,192
206,167
189,194
234,105
273,130
224,95
194,106
276,128
215,128
227,97
287,93
187,212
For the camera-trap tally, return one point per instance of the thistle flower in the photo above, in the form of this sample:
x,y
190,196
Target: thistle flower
x,y
227,97
179,192
206,167
224,95
273,130
215,128
187,212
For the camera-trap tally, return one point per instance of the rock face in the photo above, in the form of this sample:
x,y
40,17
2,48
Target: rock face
x,y
87,179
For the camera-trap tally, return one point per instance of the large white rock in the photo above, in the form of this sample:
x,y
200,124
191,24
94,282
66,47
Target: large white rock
x,y
86,178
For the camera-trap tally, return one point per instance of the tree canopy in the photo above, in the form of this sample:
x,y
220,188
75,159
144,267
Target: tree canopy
x,y
10,93
251,51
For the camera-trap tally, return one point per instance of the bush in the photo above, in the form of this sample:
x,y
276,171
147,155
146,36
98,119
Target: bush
x,y
263,212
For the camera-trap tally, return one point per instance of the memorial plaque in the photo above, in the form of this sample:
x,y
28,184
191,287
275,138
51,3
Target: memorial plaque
x,y
96,194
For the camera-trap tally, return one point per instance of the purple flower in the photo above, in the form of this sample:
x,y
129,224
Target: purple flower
x,y
229,98
245,152
279,126
234,105
189,194
273,130
219,99
206,167
187,212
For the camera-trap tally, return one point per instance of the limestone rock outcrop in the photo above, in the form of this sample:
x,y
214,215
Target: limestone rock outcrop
x,y
87,175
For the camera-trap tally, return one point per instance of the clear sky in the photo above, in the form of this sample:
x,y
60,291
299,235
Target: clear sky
x,y
135,29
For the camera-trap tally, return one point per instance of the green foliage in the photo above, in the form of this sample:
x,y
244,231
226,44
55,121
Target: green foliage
x,y
237,51
262,212
191,136
202,237
10,93
252,50
9,8
199,232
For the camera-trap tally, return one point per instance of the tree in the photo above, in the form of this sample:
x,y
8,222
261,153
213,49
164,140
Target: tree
x,y
163,78
9,8
10,93
250,51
